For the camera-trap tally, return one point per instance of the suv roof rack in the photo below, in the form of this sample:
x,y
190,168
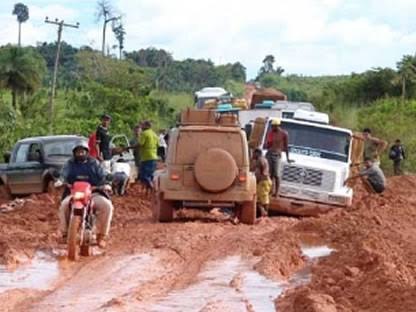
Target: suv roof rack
x,y
208,117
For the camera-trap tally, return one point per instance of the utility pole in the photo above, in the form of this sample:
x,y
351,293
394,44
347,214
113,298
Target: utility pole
x,y
61,24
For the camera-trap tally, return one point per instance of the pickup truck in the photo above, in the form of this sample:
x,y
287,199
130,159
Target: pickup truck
x,y
33,161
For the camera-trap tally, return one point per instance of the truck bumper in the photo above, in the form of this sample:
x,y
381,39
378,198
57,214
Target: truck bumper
x,y
210,199
300,207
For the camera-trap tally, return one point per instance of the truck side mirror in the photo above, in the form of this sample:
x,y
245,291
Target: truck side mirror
x,y
7,155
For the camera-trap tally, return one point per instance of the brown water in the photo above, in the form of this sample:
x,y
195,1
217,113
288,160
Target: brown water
x,y
39,273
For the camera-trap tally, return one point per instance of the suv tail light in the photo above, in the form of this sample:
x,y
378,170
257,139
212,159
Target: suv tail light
x,y
242,177
175,177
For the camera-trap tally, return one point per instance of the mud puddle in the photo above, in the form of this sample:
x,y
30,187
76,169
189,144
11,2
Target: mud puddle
x,y
39,274
225,285
101,281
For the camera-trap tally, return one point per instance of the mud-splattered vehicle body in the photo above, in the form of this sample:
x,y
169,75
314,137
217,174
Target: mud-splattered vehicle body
x,y
207,166
33,161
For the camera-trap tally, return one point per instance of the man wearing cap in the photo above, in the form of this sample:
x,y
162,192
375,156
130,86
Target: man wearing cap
x,y
276,143
148,143
103,139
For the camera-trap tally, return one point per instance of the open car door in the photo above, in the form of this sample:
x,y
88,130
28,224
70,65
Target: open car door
x,y
118,142
357,152
257,132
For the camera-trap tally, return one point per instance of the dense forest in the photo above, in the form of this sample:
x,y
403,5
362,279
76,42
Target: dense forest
x,y
151,84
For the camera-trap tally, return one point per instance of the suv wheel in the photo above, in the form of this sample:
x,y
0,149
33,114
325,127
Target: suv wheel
x,y
248,212
162,209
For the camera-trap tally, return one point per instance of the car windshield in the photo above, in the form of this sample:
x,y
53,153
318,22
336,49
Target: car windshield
x,y
318,142
60,148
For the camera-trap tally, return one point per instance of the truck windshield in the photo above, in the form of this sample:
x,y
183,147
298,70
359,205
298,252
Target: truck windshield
x,y
318,142
201,101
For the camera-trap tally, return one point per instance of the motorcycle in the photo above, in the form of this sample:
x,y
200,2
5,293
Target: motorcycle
x,y
81,230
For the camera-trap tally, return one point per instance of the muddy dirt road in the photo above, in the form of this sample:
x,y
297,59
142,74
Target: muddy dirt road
x,y
362,259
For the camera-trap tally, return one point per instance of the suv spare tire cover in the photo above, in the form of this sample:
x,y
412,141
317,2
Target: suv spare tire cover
x,y
215,170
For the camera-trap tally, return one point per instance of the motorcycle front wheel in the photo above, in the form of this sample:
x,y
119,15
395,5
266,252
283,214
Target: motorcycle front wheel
x,y
73,243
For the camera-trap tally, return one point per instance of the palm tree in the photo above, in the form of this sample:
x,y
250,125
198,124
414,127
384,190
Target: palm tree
x,y
407,71
21,70
22,13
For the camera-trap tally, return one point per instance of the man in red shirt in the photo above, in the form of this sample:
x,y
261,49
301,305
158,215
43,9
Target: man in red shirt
x,y
276,143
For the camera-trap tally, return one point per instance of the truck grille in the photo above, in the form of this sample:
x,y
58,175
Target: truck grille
x,y
314,178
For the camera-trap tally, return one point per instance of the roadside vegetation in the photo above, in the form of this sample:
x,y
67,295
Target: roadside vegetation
x,y
150,84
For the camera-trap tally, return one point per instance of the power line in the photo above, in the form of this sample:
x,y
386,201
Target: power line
x,y
61,24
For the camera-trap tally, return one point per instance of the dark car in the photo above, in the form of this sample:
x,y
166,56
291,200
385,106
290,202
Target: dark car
x,y
34,160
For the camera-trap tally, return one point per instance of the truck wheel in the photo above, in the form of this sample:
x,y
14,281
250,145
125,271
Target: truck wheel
x,y
5,192
73,244
248,212
162,209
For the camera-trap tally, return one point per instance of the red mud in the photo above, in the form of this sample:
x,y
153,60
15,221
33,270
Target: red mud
x,y
372,269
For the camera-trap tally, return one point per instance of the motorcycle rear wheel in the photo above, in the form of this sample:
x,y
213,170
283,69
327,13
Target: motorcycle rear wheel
x,y
73,243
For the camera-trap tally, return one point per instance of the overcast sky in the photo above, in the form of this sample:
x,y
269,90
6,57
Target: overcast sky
x,y
310,37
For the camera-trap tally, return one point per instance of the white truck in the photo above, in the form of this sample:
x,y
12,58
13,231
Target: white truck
x,y
322,154
209,93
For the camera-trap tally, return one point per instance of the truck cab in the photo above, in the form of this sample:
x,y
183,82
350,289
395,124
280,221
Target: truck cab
x,y
314,182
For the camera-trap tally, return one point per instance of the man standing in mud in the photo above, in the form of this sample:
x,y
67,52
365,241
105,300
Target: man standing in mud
x,y
277,142
260,166
372,177
103,141
397,155
148,143
373,147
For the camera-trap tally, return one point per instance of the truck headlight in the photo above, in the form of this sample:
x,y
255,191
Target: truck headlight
x,y
338,199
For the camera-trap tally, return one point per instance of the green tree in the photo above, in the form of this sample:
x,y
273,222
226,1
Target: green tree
x,y
150,57
125,74
21,70
407,72
268,67
22,13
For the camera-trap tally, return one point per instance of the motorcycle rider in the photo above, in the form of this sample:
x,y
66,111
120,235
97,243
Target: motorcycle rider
x,y
81,167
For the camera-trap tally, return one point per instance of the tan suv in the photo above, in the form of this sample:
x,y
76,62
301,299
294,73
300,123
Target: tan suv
x,y
207,166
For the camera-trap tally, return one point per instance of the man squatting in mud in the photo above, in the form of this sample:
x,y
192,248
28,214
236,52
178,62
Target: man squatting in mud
x,y
372,177
260,166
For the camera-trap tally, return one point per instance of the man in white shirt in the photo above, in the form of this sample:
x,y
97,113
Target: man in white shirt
x,y
121,173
